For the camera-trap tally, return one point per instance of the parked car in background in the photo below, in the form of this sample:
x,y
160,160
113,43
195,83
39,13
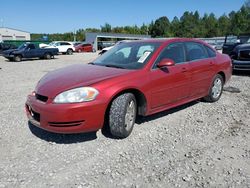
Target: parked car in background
x,y
5,46
27,51
239,51
105,44
133,78
84,47
110,47
63,47
105,50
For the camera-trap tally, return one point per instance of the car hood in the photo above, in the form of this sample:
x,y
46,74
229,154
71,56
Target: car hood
x,y
75,76
242,46
7,52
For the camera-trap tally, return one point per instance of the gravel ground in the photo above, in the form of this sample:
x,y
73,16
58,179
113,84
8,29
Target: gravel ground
x,y
196,145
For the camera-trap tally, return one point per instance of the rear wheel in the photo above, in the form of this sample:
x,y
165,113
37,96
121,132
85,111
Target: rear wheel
x,y
122,115
18,58
216,89
79,50
47,56
69,51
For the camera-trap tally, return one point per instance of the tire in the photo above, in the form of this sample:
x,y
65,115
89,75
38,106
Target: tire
x,y
122,115
69,51
79,51
216,89
18,58
47,56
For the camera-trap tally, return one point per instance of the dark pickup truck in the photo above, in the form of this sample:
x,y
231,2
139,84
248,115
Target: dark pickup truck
x,y
27,51
4,46
238,48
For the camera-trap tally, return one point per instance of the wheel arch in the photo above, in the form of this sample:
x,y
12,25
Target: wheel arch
x,y
139,96
223,76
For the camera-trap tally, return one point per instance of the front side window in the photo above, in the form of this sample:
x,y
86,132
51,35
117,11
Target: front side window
x,y
174,51
195,51
129,55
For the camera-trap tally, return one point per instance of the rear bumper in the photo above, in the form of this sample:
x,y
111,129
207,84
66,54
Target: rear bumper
x,y
65,118
241,65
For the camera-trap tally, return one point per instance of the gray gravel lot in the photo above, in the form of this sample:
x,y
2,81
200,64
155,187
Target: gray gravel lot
x,y
196,145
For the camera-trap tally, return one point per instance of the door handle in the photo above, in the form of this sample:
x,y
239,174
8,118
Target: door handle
x,y
211,63
184,69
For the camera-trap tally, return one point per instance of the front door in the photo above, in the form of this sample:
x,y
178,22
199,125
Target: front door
x,y
171,84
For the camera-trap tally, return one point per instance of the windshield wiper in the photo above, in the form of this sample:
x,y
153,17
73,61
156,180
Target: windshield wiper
x,y
115,66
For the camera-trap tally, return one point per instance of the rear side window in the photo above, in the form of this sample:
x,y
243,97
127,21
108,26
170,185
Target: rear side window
x,y
174,51
210,52
65,43
195,51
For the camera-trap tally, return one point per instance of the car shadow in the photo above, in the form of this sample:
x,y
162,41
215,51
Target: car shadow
x,y
33,59
61,138
142,119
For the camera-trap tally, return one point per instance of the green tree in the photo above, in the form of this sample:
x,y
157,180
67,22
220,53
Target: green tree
x,y
223,25
175,27
161,27
106,28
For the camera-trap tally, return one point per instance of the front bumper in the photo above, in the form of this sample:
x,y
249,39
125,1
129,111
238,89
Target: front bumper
x,y
65,118
8,56
241,65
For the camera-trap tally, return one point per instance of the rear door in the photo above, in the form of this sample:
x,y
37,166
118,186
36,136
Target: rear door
x,y
201,68
170,85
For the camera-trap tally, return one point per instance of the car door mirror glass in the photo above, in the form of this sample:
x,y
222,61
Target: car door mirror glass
x,y
166,63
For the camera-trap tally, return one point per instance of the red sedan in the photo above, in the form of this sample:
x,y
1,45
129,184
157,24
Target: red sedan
x,y
85,47
134,78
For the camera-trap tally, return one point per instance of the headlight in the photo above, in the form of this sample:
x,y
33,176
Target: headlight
x,y
81,94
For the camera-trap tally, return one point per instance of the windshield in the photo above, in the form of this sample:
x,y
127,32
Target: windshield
x,y
52,44
129,55
22,46
244,39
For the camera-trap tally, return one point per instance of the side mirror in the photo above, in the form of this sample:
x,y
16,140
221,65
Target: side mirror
x,y
166,63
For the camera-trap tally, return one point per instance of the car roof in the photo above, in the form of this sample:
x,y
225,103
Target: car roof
x,y
169,40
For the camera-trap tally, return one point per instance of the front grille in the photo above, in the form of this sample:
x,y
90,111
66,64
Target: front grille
x,y
41,98
244,54
66,124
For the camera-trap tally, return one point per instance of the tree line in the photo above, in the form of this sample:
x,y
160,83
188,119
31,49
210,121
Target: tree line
x,y
190,24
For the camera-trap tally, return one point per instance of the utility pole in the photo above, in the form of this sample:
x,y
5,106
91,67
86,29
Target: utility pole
x,y
74,35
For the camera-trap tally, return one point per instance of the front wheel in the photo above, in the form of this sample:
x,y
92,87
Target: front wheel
x,y
122,115
216,89
17,58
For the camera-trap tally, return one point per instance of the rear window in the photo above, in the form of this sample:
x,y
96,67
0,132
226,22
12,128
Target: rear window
x,y
195,51
210,52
